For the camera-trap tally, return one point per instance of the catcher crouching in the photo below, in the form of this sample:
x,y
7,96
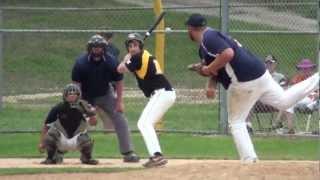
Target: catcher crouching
x,y
65,128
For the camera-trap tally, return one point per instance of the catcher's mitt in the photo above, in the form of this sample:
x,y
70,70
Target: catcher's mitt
x,y
86,108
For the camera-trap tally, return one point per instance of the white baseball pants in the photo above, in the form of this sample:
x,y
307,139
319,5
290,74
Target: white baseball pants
x,y
157,106
243,96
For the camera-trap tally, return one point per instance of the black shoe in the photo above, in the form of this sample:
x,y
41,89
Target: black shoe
x,y
90,162
156,161
291,131
49,161
131,157
250,130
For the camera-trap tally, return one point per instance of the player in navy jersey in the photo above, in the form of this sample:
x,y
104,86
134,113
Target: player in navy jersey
x,y
245,78
154,85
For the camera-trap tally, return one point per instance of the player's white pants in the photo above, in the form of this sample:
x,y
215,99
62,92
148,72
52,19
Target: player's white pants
x,y
242,97
157,106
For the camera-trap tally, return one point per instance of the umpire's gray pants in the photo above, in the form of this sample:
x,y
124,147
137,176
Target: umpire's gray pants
x,y
107,103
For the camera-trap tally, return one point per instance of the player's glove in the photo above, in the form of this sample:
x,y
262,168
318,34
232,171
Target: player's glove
x,y
197,67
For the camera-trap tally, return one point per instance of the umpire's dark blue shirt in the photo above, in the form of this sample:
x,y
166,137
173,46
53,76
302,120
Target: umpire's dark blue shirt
x,y
243,67
95,76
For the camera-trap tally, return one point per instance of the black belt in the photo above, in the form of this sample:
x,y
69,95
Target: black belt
x,y
166,89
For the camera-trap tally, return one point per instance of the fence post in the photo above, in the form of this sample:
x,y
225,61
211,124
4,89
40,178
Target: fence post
x,y
223,114
159,46
1,61
318,44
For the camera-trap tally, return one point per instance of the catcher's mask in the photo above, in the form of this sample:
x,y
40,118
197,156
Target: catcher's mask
x,y
96,41
71,89
134,36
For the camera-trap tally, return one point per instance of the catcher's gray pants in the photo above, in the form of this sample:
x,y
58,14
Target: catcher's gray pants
x,y
107,104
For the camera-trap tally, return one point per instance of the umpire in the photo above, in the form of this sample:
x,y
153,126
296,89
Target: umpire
x,y
94,71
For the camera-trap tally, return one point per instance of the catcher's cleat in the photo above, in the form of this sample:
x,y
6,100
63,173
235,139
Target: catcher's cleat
x,y
50,161
90,162
156,161
131,158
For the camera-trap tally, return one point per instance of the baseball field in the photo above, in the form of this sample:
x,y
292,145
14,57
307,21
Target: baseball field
x,y
190,157
37,65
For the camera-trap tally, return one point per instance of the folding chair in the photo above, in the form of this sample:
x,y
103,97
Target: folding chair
x,y
259,108
310,113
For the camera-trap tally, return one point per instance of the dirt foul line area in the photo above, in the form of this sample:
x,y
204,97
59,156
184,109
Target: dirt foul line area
x,y
176,169
185,96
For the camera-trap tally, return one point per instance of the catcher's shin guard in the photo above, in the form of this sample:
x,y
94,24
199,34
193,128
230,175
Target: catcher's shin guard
x,y
51,148
86,146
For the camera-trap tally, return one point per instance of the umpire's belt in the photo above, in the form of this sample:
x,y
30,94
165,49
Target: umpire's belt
x,y
162,89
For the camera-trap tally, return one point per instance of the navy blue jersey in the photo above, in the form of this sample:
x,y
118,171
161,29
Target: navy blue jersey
x,y
243,67
95,76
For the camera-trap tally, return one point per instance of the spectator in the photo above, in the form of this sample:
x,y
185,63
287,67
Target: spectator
x,y
305,69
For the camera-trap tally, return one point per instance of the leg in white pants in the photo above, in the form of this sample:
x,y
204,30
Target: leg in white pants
x,y
240,100
157,106
281,99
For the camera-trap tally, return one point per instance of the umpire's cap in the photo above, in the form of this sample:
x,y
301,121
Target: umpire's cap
x,y
196,20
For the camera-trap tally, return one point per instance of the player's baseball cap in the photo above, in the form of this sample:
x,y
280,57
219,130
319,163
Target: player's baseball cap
x,y
270,59
196,20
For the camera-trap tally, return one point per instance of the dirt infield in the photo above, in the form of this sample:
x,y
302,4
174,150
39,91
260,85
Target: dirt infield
x,y
176,169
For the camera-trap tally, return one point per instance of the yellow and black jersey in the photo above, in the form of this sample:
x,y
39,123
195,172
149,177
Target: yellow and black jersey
x,y
148,73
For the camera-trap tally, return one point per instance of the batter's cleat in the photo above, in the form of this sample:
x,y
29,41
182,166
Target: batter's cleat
x,y
131,158
155,161
90,162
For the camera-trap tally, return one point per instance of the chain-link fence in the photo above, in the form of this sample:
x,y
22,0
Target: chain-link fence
x,y
40,46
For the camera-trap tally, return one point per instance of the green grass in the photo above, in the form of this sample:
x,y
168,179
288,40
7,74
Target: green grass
x,y
31,115
175,146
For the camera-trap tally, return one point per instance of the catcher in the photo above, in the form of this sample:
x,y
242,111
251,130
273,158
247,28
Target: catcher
x,y
65,128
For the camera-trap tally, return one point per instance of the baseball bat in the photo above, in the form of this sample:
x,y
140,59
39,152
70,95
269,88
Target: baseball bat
x,y
155,24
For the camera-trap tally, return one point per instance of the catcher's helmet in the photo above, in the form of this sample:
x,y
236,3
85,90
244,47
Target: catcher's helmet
x,y
136,37
96,41
71,89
